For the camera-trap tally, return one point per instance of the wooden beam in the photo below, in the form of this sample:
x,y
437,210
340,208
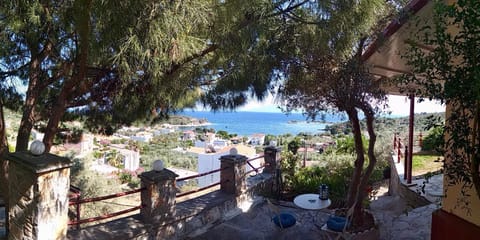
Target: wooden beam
x,y
391,69
379,75
411,122
419,45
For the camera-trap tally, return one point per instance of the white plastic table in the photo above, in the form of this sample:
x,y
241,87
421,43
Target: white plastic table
x,y
311,201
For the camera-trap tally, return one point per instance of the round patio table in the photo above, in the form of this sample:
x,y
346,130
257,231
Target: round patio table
x,y
311,201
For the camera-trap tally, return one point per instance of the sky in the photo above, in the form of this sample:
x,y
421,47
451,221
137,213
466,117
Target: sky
x,y
398,105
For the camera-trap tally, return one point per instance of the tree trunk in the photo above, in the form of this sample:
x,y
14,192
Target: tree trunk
x,y
372,160
52,126
68,91
4,192
360,158
3,150
474,158
28,117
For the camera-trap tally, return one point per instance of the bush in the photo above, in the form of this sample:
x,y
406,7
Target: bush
x,y
346,145
335,174
294,145
434,140
130,177
289,166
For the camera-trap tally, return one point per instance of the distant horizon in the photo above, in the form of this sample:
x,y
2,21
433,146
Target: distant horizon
x,y
398,106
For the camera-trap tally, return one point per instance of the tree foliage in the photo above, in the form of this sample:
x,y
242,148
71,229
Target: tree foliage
x,y
112,61
117,61
449,71
324,72
434,141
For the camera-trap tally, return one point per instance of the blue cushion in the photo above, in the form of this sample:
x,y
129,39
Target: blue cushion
x,y
286,219
336,223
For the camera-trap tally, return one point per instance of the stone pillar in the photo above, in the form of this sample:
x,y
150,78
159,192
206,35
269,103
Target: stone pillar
x,y
272,159
158,199
38,196
232,174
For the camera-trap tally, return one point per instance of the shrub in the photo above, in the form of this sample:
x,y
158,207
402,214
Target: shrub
x,y
434,140
115,159
346,145
289,166
335,174
294,145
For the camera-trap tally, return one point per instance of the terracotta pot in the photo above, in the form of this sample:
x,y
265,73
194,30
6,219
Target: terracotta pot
x,y
369,234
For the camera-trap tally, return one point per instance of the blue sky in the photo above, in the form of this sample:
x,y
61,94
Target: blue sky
x,y
398,105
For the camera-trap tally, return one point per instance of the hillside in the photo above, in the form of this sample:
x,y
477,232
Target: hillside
x,y
393,124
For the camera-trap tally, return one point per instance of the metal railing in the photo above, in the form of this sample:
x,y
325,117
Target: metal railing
x,y
197,176
254,169
76,201
212,185
400,148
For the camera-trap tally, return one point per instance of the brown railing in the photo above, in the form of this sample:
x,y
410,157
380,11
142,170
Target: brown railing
x,y
76,201
399,146
254,169
212,172
197,176
75,196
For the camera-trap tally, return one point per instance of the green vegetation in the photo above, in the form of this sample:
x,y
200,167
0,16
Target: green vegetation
x,y
422,161
335,170
452,34
94,184
161,147
434,141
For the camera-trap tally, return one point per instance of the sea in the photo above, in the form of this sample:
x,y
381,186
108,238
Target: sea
x,y
247,123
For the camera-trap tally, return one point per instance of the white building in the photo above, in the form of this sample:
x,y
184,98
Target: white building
x,y
86,144
256,139
212,141
37,135
188,135
142,137
208,161
131,159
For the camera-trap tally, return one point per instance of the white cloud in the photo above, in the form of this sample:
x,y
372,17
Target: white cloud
x,y
398,106
267,105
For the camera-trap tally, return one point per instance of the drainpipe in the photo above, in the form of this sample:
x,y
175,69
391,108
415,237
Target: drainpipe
x,y
410,139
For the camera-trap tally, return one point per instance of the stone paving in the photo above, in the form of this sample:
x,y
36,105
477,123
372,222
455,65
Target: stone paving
x,y
256,224
396,221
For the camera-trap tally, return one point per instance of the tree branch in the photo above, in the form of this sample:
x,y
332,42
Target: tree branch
x,y
175,66
288,9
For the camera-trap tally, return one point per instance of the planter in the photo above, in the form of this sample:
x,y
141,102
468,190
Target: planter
x,y
366,233
387,171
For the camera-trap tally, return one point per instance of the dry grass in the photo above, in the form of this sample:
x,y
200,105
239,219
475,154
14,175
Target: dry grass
x,y
424,163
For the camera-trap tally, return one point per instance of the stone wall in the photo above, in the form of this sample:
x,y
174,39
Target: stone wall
x,y
162,218
38,196
193,217
399,187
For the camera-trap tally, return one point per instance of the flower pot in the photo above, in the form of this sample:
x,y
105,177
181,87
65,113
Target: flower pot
x,y
364,233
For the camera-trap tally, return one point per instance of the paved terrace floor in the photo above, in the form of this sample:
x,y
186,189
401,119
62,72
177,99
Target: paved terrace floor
x,y
394,218
395,221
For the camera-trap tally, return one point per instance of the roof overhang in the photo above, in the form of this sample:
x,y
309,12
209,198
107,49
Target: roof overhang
x,y
384,56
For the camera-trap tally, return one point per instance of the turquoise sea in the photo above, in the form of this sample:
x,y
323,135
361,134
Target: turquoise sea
x,y
247,123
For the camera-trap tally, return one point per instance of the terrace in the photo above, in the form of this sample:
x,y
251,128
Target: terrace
x,y
385,62
237,210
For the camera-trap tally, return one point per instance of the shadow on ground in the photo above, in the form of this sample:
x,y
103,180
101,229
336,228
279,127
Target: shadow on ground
x,y
257,224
